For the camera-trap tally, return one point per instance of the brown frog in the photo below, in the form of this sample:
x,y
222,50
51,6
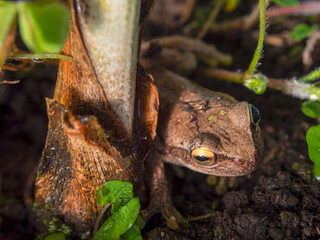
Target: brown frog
x,y
205,131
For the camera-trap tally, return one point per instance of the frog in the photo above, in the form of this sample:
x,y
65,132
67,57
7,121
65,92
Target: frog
x,y
206,131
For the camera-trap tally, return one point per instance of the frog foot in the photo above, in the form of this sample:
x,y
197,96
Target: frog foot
x,y
161,202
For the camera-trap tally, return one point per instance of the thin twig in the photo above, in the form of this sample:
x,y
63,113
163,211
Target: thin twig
x,y
188,8
252,18
202,217
243,23
96,226
190,44
290,87
303,9
214,14
10,82
310,44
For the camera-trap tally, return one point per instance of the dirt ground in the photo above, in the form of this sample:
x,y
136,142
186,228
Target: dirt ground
x,y
280,200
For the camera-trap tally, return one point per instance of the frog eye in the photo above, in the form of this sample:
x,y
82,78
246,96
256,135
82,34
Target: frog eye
x,y
203,157
254,115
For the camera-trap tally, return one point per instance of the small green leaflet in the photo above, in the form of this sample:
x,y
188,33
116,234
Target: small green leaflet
x,y
56,236
310,77
302,31
44,26
287,2
119,222
316,171
311,109
117,193
313,140
257,83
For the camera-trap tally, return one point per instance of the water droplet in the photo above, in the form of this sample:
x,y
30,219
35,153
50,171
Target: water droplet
x,y
38,60
313,97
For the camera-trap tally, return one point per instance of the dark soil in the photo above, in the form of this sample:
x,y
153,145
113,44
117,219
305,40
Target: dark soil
x,y
277,201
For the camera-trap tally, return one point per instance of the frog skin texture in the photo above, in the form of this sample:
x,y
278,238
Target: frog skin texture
x,y
194,120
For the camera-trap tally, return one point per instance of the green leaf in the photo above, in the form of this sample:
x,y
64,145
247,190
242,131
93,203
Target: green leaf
x,y
231,5
133,233
302,31
56,236
257,83
316,171
44,26
313,140
118,223
287,2
7,12
296,50
310,77
117,193
311,109
186,224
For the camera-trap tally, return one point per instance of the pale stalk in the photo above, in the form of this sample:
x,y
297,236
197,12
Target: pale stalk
x,y
110,30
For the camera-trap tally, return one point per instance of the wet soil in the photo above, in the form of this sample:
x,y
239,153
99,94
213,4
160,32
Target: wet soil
x,y
280,200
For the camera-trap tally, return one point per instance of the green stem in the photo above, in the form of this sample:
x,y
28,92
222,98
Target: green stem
x,y
253,65
290,87
39,56
96,226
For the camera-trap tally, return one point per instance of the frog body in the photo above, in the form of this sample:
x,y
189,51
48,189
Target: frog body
x,y
206,131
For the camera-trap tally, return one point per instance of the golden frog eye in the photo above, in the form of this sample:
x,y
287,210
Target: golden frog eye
x,y
203,157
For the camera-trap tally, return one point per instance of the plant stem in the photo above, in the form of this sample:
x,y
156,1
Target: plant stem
x,y
110,30
211,19
96,226
303,9
220,74
38,56
290,87
202,217
262,31
187,11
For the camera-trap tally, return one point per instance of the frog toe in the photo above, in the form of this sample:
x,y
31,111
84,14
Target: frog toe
x,y
161,202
